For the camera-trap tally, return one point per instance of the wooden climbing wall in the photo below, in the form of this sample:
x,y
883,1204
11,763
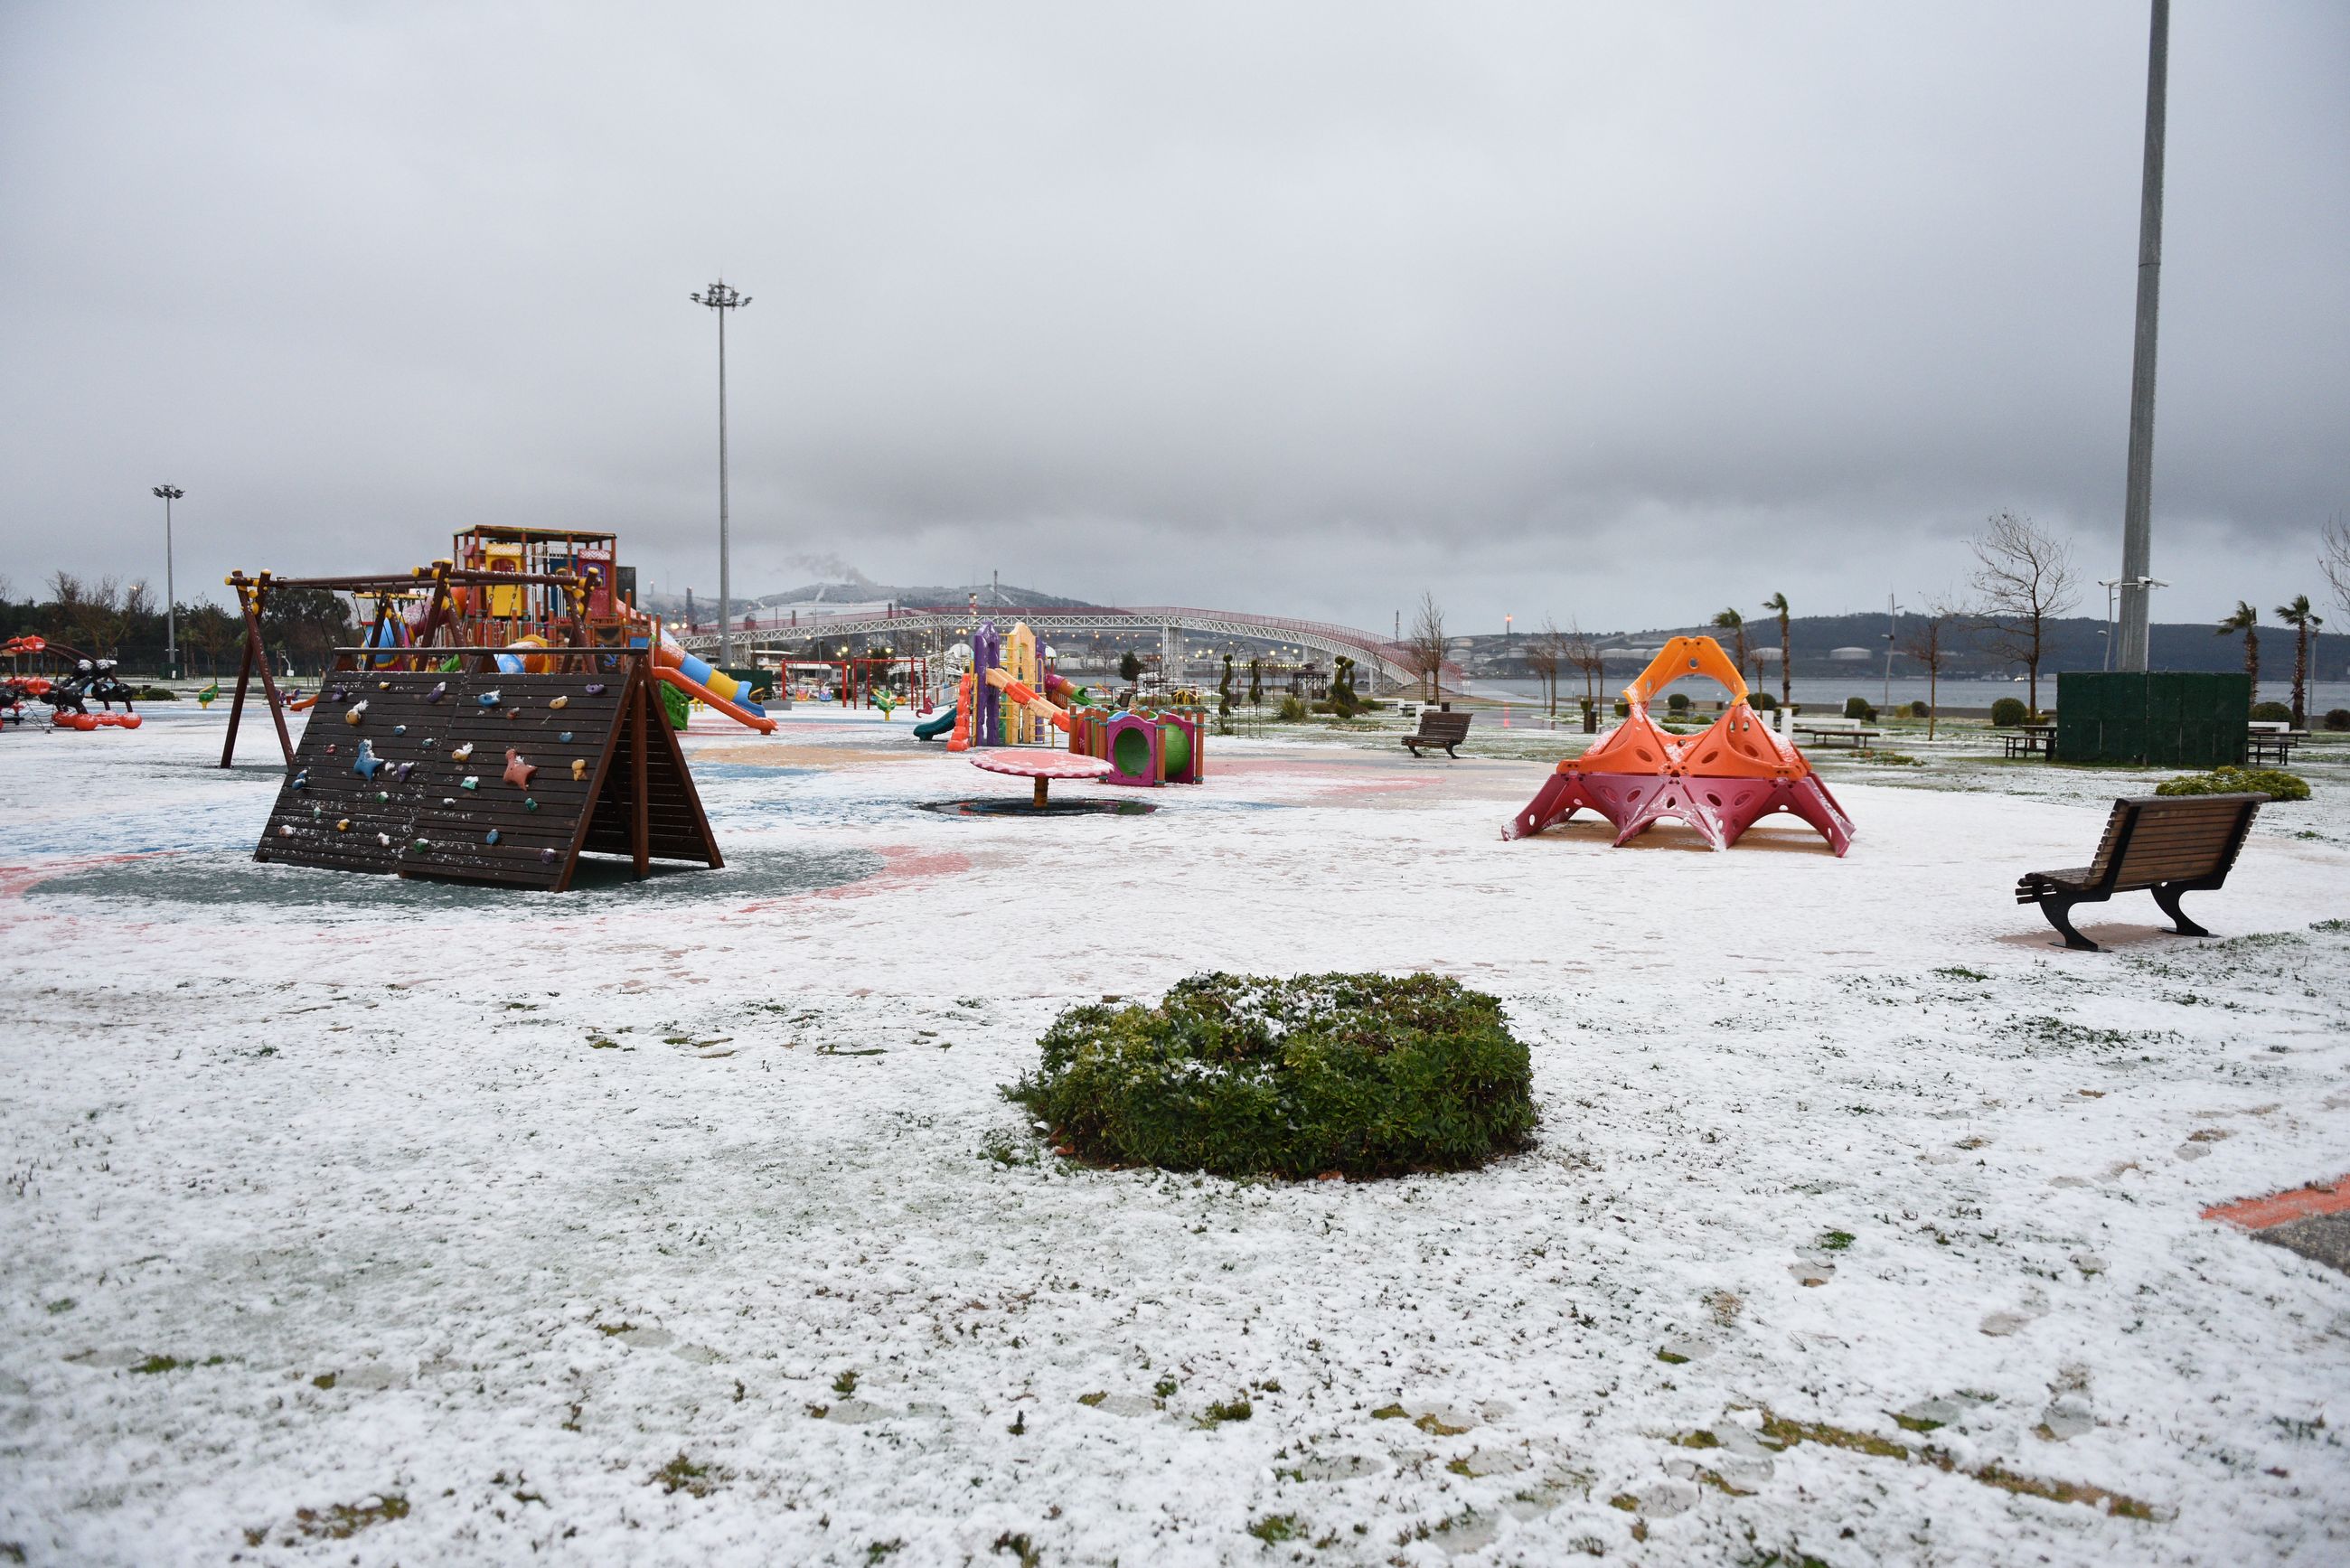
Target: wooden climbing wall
x,y
486,778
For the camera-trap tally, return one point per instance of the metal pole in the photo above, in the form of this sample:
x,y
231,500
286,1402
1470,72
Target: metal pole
x,y
2137,534
170,492
722,298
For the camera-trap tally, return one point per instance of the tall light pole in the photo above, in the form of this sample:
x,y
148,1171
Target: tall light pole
x,y
1892,636
170,492
722,297
2137,527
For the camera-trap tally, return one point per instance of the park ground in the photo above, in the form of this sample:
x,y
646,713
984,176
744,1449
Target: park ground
x,y
355,1220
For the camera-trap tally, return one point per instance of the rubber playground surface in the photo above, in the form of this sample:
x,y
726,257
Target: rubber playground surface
x,y
349,1219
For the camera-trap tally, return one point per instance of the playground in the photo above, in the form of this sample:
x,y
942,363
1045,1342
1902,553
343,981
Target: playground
x,y
682,1220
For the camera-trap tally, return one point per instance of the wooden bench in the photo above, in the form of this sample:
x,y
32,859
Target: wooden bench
x,y
2163,845
1439,729
2028,743
2272,745
1822,734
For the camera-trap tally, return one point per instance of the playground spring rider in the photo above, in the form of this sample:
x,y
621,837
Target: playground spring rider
x,y
1719,782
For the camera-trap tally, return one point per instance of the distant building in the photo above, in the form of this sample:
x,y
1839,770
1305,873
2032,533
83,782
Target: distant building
x,y
1850,655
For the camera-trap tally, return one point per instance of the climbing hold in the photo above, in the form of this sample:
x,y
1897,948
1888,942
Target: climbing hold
x,y
355,713
561,703
470,781
448,800
565,737
400,729
367,761
342,824
381,797
490,836
284,830
579,769
488,700
421,846
463,752
330,751
384,839
302,780
437,692
529,804
518,769
402,771
546,857
594,689
383,685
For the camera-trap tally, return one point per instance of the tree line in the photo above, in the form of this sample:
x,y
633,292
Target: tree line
x,y
107,619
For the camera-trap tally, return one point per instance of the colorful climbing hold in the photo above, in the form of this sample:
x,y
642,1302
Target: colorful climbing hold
x,y
284,830
355,713
421,846
518,769
561,703
470,781
301,780
402,771
579,769
463,752
490,836
546,857
437,692
342,824
384,839
381,797
594,689
400,729
565,737
367,762
489,699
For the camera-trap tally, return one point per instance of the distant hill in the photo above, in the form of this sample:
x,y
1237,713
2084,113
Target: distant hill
x,y
858,593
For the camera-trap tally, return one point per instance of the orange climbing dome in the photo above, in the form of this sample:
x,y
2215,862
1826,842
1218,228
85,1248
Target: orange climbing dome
x,y
1720,782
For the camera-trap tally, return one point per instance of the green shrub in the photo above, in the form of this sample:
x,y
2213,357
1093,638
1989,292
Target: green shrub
x,y
1761,702
1244,1076
1292,710
1918,710
2337,719
1678,702
2272,713
1623,710
156,694
1859,708
2274,782
2008,712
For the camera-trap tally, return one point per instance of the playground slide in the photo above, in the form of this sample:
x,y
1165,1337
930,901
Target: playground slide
x,y
932,728
719,689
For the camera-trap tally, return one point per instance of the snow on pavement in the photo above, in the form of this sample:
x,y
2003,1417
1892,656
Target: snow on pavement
x,y
365,1221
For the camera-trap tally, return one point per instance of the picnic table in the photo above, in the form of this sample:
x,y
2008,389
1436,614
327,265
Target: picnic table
x,y
2029,740
2261,746
1857,735
1042,766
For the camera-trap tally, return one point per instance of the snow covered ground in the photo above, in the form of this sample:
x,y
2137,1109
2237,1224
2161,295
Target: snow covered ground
x,y
356,1221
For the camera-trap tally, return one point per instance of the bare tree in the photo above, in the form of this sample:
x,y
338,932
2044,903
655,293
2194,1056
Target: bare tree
x,y
2024,577
1543,654
1583,653
2336,560
1777,605
1427,643
1932,632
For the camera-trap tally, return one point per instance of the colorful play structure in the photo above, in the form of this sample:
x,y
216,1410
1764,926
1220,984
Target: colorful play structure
x,y
68,680
1719,782
514,601
1009,698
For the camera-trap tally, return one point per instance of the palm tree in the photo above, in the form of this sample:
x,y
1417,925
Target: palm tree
x,y
1731,621
2247,620
2298,616
1777,603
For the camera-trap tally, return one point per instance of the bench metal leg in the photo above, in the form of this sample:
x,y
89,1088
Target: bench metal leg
x,y
2059,911
2168,895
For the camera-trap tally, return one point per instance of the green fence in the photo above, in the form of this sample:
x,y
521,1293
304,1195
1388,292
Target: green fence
x,y
2164,719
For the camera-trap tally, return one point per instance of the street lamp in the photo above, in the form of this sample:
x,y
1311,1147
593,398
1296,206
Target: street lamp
x,y
1892,634
722,297
169,493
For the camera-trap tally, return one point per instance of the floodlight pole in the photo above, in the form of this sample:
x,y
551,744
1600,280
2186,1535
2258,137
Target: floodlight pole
x,y
170,492
2137,529
1892,632
722,297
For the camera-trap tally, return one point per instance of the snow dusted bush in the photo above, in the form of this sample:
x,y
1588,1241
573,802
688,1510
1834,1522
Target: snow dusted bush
x,y
1366,1074
2273,783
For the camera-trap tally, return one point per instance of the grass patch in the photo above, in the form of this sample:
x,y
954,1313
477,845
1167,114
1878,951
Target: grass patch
x,y
1834,1240
682,1475
1361,1075
155,1363
1275,1527
1224,1410
1787,1433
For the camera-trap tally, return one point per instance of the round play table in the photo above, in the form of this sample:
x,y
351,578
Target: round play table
x,y
1042,766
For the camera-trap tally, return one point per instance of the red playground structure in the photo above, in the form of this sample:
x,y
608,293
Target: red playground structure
x,y
1720,782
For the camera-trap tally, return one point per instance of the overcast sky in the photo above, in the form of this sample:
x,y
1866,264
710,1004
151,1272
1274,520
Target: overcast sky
x,y
1623,313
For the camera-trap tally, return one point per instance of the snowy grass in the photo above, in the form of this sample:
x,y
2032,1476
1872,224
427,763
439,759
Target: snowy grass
x,y
1861,1225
